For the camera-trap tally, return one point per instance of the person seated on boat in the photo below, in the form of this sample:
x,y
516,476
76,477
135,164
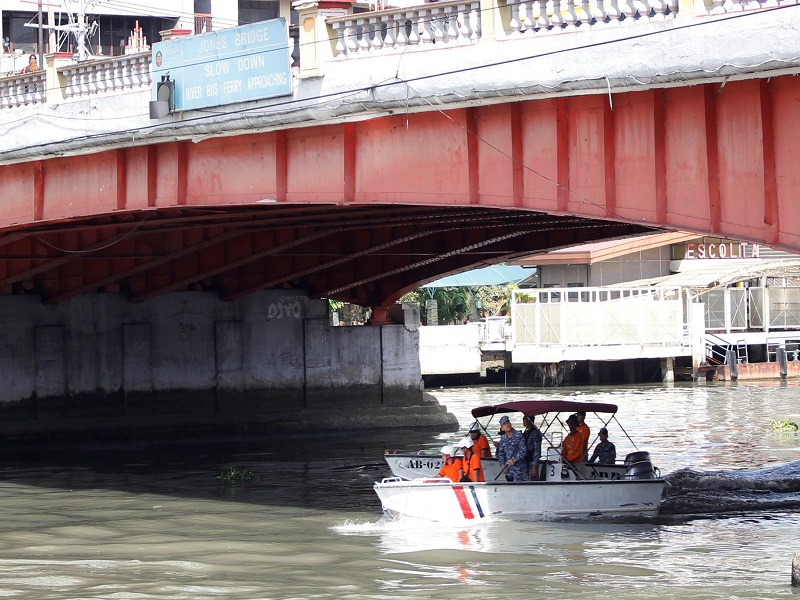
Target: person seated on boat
x,y
583,429
533,447
605,452
479,443
511,452
451,468
572,448
471,462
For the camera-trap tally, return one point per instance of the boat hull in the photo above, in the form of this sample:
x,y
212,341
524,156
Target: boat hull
x,y
444,501
422,466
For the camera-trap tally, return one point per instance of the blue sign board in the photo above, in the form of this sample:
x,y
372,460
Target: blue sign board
x,y
250,62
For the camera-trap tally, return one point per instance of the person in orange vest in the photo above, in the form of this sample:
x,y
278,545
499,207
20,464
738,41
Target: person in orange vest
x,y
479,443
471,462
572,447
451,468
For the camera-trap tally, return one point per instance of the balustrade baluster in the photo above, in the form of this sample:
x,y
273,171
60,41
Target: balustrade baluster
x,y
340,48
390,22
543,23
660,8
614,13
629,11
643,8
438,25
475,19
352,36
366,35
600,14
571,16
414,33
426,24
515,24
376,40
465,31
558,18
450,24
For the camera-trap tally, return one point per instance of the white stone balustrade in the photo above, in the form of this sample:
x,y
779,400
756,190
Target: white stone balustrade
x,y
23,90
537,17
107,76
718,7
440,24
436,25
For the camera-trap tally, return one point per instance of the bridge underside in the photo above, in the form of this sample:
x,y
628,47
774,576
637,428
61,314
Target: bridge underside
x,y
367,255
362,211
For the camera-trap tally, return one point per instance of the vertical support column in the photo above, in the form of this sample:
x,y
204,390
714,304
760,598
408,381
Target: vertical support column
x,y
659,133
668,370
122,179
712,155
517,156
473,163
562,154
281,166
152,175
349,162
182,168
609,160
316,44
771,215
38,190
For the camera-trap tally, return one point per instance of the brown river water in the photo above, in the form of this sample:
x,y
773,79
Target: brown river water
x,y
134,520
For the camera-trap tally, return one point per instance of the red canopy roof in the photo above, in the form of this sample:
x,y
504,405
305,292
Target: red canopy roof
x,y
539,407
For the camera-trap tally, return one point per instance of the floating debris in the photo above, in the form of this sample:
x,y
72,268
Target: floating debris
x,y
237,474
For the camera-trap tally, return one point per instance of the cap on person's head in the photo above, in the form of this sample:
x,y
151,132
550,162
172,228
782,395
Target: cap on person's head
x,y
448,450
475,428
581,413
603,431
465,443
572,419
504,419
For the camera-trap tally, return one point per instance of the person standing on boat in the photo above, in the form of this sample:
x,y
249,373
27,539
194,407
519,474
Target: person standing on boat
x,y
479,443
605,452
471,462
572,448
533,447
583,429
451,468
511,452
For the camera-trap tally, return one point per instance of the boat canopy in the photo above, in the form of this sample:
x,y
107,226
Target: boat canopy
x,y
531,408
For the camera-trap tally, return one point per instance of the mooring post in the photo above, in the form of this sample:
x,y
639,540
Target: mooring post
x,y
782,361
796,570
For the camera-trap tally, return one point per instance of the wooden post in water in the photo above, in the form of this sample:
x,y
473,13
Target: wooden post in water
x,y
796,570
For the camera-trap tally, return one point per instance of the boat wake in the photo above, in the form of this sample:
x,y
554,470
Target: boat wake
x,y
713,492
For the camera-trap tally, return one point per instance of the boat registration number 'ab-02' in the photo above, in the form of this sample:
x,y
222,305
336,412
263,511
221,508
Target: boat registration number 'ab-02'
x,y
416,463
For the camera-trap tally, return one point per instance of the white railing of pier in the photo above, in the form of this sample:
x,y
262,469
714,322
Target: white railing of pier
x,y
23,90
107,76
561,319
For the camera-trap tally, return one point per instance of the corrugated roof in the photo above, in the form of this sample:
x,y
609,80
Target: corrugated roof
x,y
494,275
721,273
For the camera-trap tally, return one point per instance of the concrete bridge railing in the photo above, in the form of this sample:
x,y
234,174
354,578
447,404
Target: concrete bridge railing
x,y
331,31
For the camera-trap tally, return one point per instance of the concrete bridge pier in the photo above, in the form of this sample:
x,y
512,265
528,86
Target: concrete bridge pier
x,y
97,363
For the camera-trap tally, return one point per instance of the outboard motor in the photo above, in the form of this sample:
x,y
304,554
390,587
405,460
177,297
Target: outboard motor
x,y
639,466
635,457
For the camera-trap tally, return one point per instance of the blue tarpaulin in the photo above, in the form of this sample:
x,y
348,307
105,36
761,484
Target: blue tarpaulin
x,y
494,275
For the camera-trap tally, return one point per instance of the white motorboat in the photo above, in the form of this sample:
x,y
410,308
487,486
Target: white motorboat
x,y
629,487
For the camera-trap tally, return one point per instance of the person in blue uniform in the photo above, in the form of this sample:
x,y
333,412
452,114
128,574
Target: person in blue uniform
x,y
511,452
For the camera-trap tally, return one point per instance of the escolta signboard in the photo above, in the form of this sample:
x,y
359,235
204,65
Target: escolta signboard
x,y
250,62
